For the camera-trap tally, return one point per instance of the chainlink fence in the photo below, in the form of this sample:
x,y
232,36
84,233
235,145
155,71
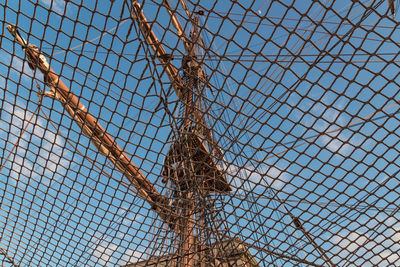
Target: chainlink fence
x,y
199,133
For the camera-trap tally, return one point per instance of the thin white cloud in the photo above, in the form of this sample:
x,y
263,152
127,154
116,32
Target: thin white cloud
x,y
18,64
378,250
2,83
103,252
132,256
128,218
245,179
57,6
337,143
330,120
106,249
39,150
107,253
19,67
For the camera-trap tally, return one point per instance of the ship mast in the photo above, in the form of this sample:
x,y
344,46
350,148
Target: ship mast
x,y
189,186
190,167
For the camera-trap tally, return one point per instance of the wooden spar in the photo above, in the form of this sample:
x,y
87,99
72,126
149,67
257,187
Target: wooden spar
x,y
94,131
391,4
185,7
158,49
185,223
186,250
190,48
178,27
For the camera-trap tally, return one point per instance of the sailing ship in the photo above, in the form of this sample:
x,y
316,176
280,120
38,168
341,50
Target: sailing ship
x,y
273,172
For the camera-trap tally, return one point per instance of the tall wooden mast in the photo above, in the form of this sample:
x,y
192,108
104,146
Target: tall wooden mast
x,y
189,165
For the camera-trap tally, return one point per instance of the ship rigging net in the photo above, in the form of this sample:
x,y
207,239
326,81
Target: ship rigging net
x,y
199,133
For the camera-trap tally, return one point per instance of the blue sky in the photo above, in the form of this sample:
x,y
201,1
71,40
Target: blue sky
x,y
295,135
